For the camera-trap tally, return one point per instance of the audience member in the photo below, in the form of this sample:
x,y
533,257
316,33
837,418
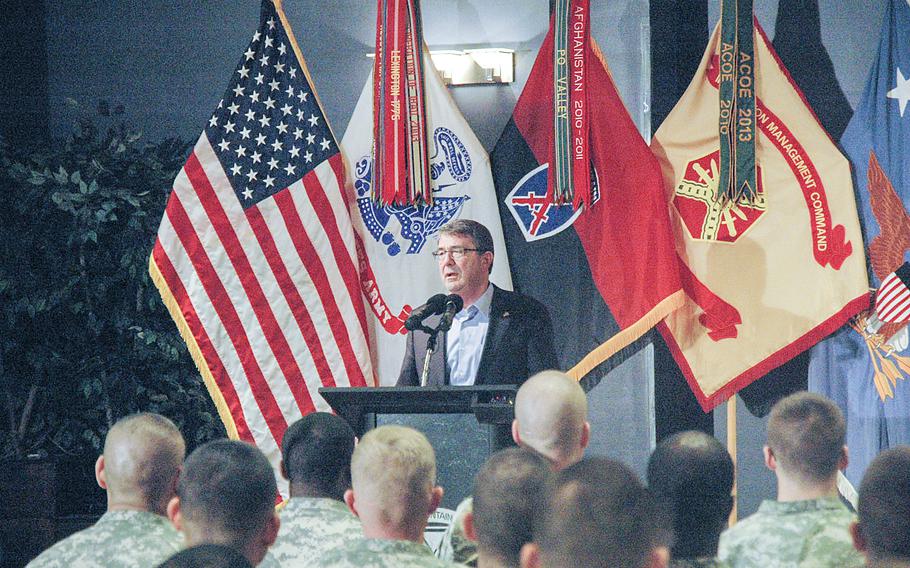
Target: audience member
x,y
690,475
207,556
393,477
807,525
226,495
551,418
597,514
138,469
882,532
508,497
316,460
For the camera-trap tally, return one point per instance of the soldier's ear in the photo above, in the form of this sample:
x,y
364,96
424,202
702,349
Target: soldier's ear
x,y
469,526
99,472
349,501
435,499
585,435
770,460
174,514
529,557
271,530
659,557
859,541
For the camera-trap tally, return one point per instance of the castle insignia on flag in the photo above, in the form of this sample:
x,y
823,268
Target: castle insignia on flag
x,y
705,218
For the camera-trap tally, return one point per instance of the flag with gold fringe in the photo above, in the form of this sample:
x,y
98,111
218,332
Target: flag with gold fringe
x,y
256,256
767,275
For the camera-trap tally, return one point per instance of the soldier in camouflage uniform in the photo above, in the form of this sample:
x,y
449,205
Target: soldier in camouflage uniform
x,y
807,525
316,460
393,477
882,532
138,470
551,418
456,546
691,477
509,494
596,514
226,495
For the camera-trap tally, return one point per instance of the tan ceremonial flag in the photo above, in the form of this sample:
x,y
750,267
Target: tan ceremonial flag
x,y
765,279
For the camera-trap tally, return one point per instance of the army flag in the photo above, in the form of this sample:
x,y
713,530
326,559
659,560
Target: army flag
x,y
607,271
865,366
766,277
398,269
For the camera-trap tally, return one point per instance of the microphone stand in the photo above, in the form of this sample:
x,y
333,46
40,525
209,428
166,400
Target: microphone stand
x,y
431,347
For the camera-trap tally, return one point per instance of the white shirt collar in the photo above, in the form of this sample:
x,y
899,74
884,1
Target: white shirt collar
x,y
484,301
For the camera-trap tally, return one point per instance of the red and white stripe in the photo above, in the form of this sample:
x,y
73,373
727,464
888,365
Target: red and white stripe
x,y
892,303
271,294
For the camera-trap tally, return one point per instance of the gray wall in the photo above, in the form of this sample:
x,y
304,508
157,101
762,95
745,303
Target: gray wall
x,y
168,62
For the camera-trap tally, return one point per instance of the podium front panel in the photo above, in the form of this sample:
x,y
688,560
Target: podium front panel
x,y
461,444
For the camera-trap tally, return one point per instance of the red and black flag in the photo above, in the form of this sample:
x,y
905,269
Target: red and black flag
x,y
607,270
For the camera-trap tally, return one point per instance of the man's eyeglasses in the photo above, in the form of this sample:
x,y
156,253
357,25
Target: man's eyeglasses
x,y
456,252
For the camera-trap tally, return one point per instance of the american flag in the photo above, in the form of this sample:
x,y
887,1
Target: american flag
x,y
256,255
892,302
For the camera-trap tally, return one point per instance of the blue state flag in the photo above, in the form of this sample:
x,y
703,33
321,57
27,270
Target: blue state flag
x,y
865,366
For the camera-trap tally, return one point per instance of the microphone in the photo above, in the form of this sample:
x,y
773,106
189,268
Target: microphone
x,y
435,305
453,305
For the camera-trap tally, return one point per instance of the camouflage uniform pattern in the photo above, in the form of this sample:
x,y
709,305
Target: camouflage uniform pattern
x,y
380,553
697,563
310,527
456,546
807,534
120,539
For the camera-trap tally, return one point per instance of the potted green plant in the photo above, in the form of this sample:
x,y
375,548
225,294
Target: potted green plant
x,y
85,338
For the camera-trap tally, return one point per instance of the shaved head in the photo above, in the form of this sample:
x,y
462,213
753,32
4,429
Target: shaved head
x,y
141,461
551,413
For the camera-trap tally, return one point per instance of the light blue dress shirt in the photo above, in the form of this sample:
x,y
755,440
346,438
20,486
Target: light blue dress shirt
x,y
464,341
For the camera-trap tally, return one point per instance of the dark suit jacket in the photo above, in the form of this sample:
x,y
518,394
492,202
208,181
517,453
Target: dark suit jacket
x,y
519,343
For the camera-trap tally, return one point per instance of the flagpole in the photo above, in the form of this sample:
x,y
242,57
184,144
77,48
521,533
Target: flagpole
x,y
731,448
300,60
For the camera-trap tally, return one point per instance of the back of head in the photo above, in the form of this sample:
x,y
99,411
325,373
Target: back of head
x,y
884,505
551,413
142,458
806,433
207,556
690,475
598,514
316,451
393,472
227,494
509,492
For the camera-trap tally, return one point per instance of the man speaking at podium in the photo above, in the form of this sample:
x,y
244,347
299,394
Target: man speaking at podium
x,y
497,337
